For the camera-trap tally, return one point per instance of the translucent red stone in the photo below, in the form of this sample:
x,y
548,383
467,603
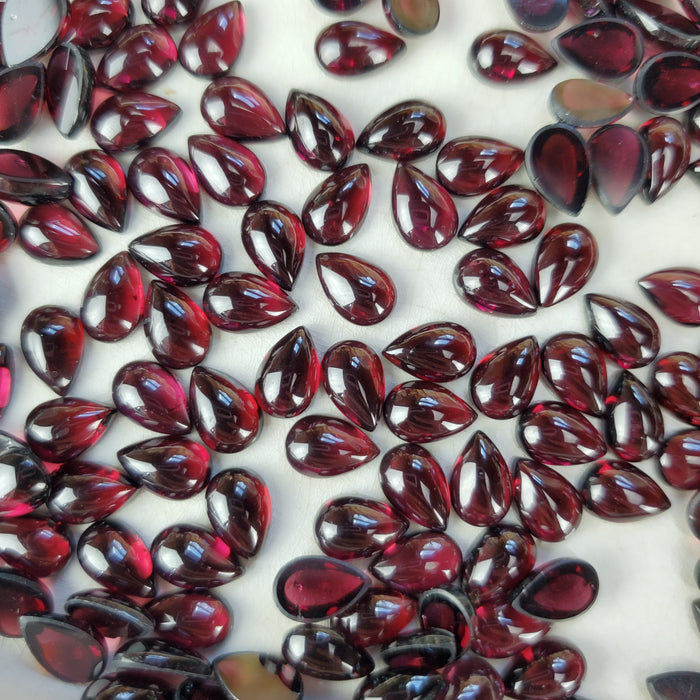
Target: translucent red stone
x,y
28,178
668,82
169,12
95,24
539,15
420,651
507,56
20,595
448,609
8,228
676,385
594,8
6,377
416,685
24,478
241,672
676,292
412,17
669,155
413,481
661,25
469,674
673,685
692,9
679,461
22,95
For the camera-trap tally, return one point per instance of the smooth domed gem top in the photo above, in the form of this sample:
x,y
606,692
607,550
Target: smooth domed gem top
x,y
539,15
412,16
669,155
674,684
169,12
585,103
28,178
509,56
669,82
95,24
21,99
676,291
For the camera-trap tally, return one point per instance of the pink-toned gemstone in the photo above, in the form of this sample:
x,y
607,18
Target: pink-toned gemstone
x,y
314,588
583,103
152,396
607,48
660,24
420,411
669,82
117,558
224,412
114,302
239,509
165,183
507,56
228,171
274,238
480,484
239,109
322,446
169,12
21,99
321,136
424,213
414,483
340,5
52,232
420,651
241,672
213,41
555,433
36,547
412,17
679,460
64,428
239,301
566,258
127,121
627,333
172,467
475,677
6,377
549,506
448,609
28,178
674,684
20,595
336,209
574,366
419,562
353,377
490,281
95,24
25,481
676,292
669,155
404,131
539,15
504,381
8,228
99,188
676,384
189,556
52,341
618,491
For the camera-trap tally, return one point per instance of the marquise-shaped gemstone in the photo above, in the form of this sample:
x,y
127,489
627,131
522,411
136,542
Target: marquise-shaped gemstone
x,y
95,24
336,209
29,30
7,376
351,48
274,238
225,413
420,650
470,674
557,162
353,377
152,396
669,82
169,12
424,213
20,595
165,183
229,172
37,547
22,97
240,672
111,614
676,291
507,56
239,509
213,41
447,609
675,684
585,103
669,155
679,461
415,685
549,506
24,478
404,131
627,333
676,384
618,491
414,483
321,446
28,178
503,382
239,109
660,24
52,341
412,17
538,16
480,485
490,281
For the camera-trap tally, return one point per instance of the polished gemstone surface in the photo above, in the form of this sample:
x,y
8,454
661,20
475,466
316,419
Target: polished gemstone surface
x,y
22,95
475,677
669,155
679,460
249,675
676,384
169,12
668,82
20,595
28,178
95,24
421,650
676,292
35,546
412,16
508,56
25,481
447,609
586,103
387,684
539,15
674,685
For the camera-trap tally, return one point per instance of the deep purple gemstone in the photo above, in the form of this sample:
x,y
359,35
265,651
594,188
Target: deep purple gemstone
x,y
539,15
676,384
674,685
448,609
669,155
20,595
669,82
111,614
506,56
475,677
422,650
676,291
28,178
412,686
169,12
95,24
242,672
679,460
21,99
29,29
25,481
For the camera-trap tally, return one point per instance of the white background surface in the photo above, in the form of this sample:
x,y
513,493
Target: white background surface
x,y
642,622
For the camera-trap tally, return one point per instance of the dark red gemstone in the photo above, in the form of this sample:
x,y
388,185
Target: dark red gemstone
x,y
413,481
189,556
679,460
314,588
340,5
474,677
669,82
127,121
172,467
606,48
8,228
321,446
480,484
53,233
36,547
490,281
674,685
117,558
501,631
539,15
506,56
627,333
228,171
169,12
596,8
242,672
337,207
692,9
412,17
618,491
424,213
676,384
274,238
21,97
418,562
405,131
197,620
448,609
353,377
504,381
140,56
165,183
420,411
413,685
52,341
65,650
25,481
6,377
212,42
28,178
239,509
660,24
549,506
20,595
152,396
111,614
420,651
95,24
669,155
62,429
583,103
676,291
239,109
